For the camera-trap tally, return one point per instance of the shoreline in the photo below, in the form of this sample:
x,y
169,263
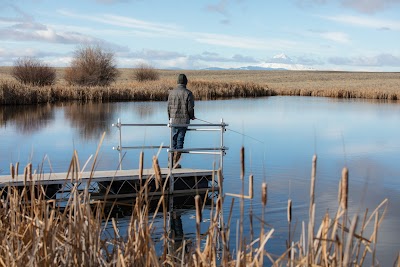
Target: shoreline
x,y
209,85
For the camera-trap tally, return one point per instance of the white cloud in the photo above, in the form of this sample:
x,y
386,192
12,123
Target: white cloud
x,y
369,61
215,57
367,22
127,22
240,41
172,31
338,37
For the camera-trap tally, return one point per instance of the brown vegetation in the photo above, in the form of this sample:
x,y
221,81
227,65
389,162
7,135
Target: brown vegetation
x,y
34,232
145,72
211,85
30,71
92,66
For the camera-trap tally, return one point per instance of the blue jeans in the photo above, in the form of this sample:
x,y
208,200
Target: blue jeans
x,y
178,137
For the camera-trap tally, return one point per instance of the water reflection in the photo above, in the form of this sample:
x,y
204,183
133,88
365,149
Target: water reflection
x,y
144,110
90,119
26,119
361,135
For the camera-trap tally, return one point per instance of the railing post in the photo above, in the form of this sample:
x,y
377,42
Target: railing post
x,y
120,143
221,162
170,159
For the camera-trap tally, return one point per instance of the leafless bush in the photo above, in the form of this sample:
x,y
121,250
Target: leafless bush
x,y
145,72
92,66
31,71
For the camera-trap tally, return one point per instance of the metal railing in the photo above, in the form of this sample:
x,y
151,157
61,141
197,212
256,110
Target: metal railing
x,y
221,127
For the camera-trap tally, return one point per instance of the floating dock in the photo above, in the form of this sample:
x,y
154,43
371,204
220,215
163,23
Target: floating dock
x,y
120,183
129,183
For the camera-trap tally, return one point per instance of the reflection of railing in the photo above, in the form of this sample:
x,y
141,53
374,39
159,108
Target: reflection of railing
x,y
221,127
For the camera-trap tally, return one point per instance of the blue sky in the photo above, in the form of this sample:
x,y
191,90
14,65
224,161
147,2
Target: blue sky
x,y
353,35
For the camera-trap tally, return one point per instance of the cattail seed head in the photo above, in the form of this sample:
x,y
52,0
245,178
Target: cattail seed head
x,y
141,159
12,171
16,168
157,171
198,209
344,188
251,190
219,204
264,194
242,162
289,211
30,171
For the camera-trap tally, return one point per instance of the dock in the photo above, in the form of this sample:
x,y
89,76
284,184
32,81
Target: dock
x,y
128,183
121,182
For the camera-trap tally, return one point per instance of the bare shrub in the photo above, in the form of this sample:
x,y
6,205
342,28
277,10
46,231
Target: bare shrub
x,y
92,66
31,71
145,72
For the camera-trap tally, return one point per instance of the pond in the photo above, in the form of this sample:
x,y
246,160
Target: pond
x,y
280,136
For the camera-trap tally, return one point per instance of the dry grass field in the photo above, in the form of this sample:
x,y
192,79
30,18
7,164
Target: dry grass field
x,y
211,85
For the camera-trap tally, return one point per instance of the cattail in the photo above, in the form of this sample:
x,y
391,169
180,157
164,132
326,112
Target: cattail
x,y
16,169
242,162
344,188
141,165
12,171
312,187
289,211
197,200
251,190
198,219
30,171
157,171
264,194
25,174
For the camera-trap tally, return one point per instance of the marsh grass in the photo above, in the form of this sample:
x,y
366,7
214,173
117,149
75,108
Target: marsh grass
x,y
34,231
209,85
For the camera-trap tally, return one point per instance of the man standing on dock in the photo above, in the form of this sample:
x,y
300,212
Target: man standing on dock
x,y
180,111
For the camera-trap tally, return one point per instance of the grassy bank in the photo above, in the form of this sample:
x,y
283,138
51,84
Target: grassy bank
x,y
34,232
208,85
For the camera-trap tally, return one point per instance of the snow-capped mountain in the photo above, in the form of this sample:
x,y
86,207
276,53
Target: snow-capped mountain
x,y
282,61
277,62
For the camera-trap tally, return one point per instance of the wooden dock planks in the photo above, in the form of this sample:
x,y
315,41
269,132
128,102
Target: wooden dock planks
x,y
98,176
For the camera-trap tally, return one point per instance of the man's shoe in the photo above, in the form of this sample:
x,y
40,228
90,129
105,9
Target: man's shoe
x,y
177,157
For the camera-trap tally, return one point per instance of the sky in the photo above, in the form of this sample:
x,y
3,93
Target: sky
x,y
342,35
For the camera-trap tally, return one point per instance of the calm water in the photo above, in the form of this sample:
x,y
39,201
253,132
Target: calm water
x,y
280,135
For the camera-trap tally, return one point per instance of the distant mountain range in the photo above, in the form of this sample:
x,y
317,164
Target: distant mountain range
x,y
278,62
245,68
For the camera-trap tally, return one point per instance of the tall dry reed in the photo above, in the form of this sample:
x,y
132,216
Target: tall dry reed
x,y
209,85
34,231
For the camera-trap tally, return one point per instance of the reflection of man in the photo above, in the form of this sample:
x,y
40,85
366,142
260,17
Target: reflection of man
x,y
180,111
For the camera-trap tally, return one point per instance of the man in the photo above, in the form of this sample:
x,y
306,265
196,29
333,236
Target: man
x,y
180,111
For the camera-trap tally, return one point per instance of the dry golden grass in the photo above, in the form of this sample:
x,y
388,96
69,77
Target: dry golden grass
x,y
211,85
34,232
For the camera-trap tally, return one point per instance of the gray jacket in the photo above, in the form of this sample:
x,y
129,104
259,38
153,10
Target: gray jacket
x,y
180,105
